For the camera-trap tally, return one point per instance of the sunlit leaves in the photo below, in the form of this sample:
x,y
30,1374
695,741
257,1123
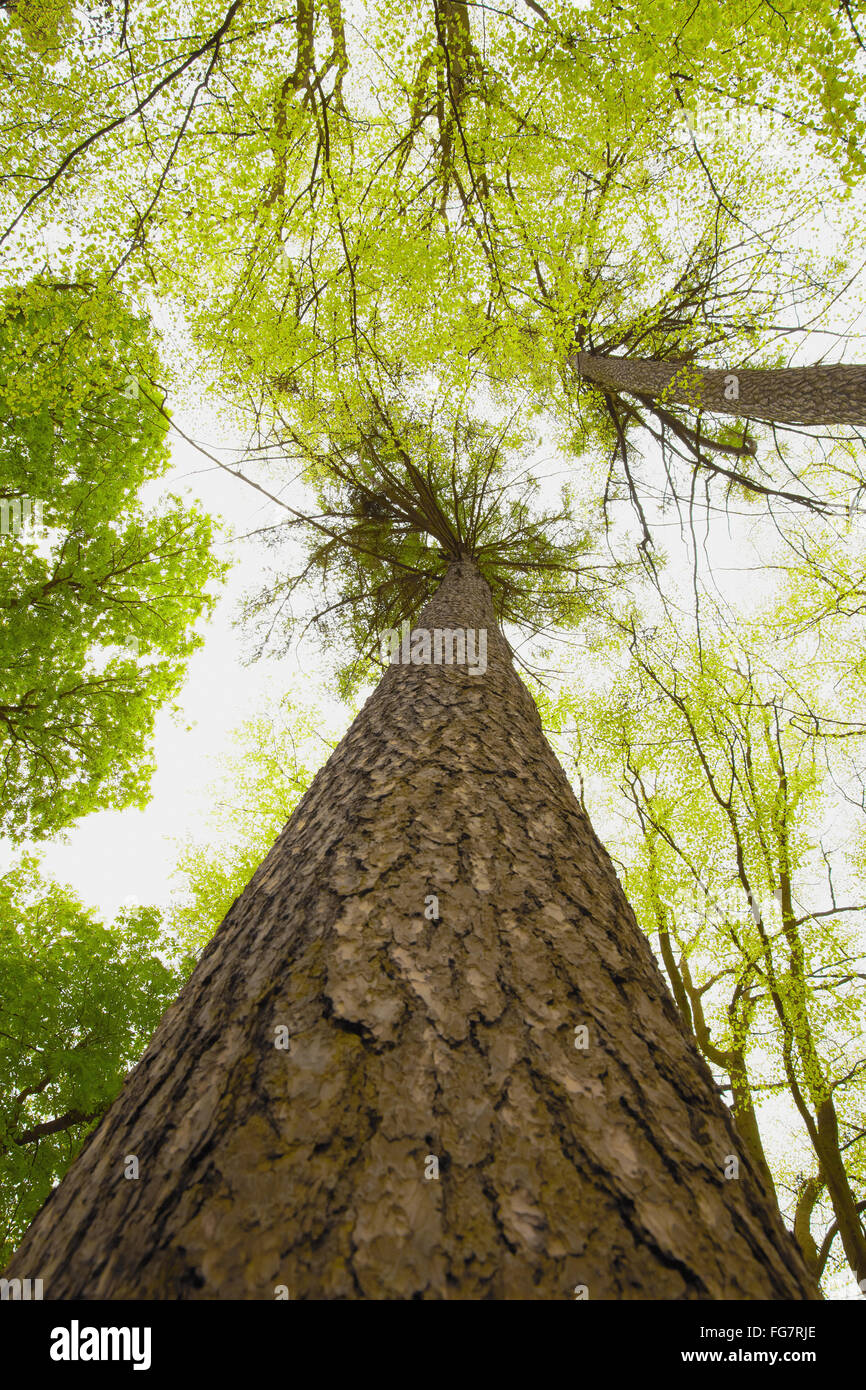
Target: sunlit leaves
x,y
97,610
79,1001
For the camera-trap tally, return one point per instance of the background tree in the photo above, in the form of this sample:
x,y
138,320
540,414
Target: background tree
x,y
78,1002
519,219
726,766
145,80
488,240
98,608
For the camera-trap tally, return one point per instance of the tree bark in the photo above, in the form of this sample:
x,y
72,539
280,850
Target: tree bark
x,y
745,1118
806,1202
833,395
411,1040
845,1206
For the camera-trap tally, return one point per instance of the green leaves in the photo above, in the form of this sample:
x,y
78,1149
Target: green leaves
x,y
44,24
402,487
78,1003
97,612
262,779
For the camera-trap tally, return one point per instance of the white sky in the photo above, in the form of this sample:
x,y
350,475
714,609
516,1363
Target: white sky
x,y
112,857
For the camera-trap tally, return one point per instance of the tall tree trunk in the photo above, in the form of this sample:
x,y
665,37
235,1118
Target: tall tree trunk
x,y
788,396
845,1207
417,1043
806,1203
745,1118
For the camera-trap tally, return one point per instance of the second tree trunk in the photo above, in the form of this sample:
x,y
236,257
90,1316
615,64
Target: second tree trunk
x,y
787,395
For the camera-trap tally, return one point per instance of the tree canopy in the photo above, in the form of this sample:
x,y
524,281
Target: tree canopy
x,y
79,1001
100,601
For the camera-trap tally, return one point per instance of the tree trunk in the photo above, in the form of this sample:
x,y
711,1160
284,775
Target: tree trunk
x,y
745,1118
845,1207
787,396
415,1044
806,1202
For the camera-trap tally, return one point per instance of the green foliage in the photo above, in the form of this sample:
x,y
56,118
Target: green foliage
x,y
275,758
404,488
79,1001
722,774
44,24
98,611
442,191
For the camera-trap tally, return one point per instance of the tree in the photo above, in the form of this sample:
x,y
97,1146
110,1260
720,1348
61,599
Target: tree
x,y
428,1053
271,766
358,253
516,190
500,233
383,522
142,70
78,1001
100,601
821,395
783,397
725,764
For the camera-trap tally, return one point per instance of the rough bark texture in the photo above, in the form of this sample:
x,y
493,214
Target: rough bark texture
x,y
788,396
411,1038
